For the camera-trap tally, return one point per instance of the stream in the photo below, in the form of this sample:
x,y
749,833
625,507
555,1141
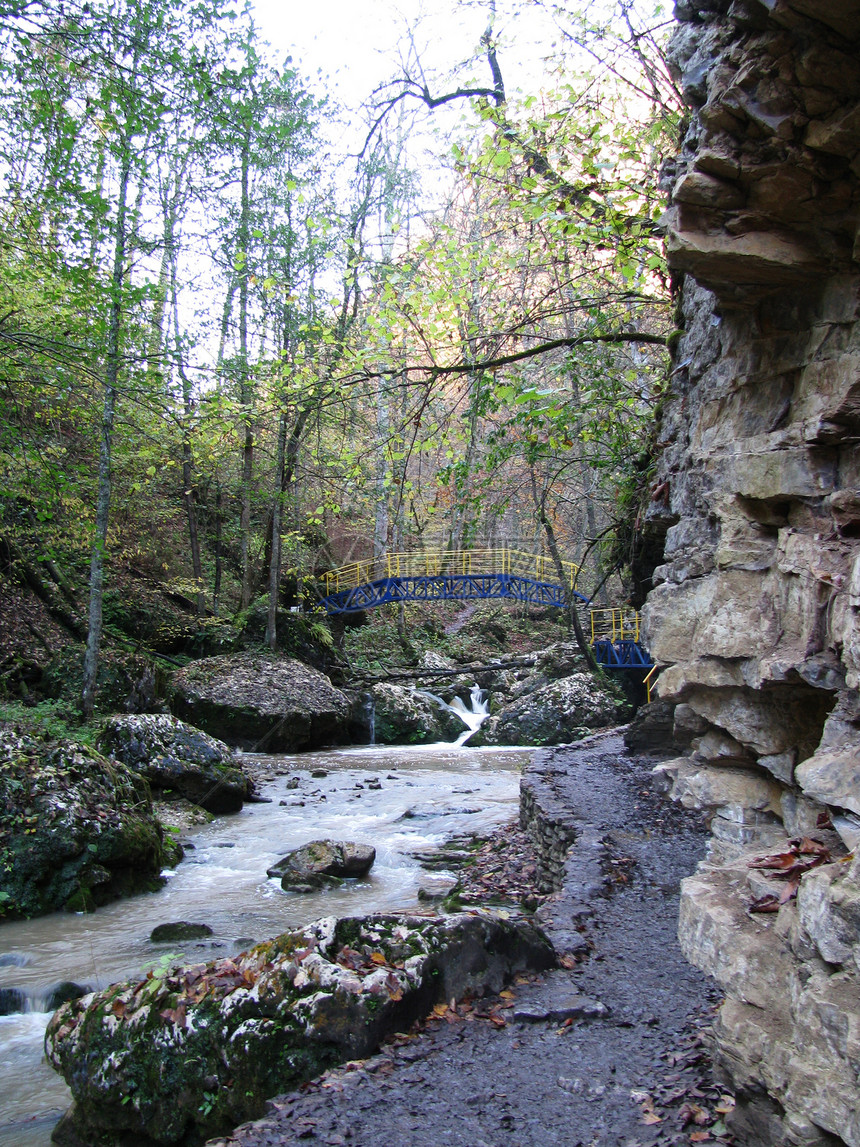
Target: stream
x,y
420,798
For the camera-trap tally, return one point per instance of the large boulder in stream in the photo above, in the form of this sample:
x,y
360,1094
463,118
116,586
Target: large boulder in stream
x,y
403,716
76,829
177,758
261,702
322,862
556,713
219,1038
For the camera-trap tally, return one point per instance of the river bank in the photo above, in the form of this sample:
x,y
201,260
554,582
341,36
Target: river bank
x,y
400,800
607,1050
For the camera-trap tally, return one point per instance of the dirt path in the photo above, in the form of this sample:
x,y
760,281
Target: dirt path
x,y
602,1052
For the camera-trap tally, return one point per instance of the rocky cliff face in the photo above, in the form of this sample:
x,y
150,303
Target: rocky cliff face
x,y
755,614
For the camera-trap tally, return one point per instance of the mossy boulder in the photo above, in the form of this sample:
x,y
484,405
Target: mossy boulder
x,y
76,829
403,717
259,701
322,862
179,930
177,758
556,713
219,1038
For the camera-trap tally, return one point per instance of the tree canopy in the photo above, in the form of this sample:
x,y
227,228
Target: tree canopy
x,y
233,355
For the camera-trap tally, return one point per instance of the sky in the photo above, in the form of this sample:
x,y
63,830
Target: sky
x,y
347,48
356,41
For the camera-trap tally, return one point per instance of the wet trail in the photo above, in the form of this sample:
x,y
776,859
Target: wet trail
x,y
578,1058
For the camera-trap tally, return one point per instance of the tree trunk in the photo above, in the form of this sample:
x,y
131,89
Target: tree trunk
x,y
277,514
216,588
94,630
569,597
189,493
245,395
380,521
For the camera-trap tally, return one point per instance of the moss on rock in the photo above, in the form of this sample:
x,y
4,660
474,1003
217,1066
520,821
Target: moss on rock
x,y
76,829
219,1038
177,757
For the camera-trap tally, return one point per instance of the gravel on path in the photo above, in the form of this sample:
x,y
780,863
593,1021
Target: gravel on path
x,y
610,1050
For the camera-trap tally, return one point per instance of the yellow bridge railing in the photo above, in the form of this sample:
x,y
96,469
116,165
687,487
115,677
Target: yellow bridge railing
x,y
441,562
616,624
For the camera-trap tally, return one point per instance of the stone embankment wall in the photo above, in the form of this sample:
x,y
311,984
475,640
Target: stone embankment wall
x,y
548,819
755,613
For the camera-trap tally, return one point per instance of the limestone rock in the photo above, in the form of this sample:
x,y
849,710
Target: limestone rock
x,y
555,714
403,717
258,701
738,794
322,862
828,906
755,618
653,729
230,1033
832,778
76,829
177,757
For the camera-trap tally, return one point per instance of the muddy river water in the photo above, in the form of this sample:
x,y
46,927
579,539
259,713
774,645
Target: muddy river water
x,y
420,798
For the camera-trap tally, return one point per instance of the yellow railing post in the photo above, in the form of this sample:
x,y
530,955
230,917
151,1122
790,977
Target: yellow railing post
x,y
649,682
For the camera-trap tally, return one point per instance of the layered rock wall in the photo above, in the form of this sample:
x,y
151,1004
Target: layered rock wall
x,y
755,614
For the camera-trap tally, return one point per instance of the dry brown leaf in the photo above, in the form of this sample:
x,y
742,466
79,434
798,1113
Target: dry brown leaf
x,y
812,846
693,1113
768,903
776,860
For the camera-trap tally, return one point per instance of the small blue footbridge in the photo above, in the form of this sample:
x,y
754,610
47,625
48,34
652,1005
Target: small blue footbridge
x,y
464,575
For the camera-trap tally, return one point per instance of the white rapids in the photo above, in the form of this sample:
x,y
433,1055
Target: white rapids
x,y
399,799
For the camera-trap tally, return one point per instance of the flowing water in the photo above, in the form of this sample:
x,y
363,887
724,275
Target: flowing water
x,y
427,795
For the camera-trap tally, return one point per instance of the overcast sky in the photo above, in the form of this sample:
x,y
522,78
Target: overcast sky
x,y
357,42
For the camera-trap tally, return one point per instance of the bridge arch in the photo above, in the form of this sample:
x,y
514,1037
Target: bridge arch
x,y
463,575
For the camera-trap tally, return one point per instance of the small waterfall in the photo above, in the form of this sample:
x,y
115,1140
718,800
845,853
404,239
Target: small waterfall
x,y
472,718
369,708
44,999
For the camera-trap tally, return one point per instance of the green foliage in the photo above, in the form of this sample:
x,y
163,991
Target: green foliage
x,y
366,387
55,719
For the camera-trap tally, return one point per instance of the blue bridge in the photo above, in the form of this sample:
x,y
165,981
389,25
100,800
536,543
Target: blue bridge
x,y
462,575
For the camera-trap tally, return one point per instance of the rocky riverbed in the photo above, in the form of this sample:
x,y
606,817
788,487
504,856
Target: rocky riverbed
x,y
608,1049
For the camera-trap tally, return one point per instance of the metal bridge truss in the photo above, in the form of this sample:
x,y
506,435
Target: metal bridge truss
x,y
625,654
446,587
461,575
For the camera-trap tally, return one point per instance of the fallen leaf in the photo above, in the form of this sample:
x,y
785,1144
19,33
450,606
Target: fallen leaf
x,y
767,903
507,995
789,891
811,846
776,860
693,1113
378,958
